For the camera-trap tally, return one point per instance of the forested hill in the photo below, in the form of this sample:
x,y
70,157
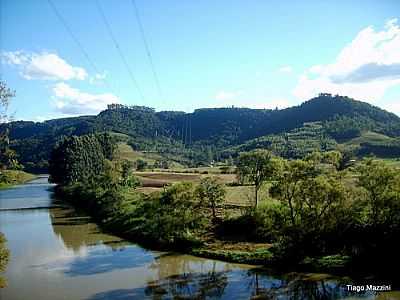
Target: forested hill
x,y
341,118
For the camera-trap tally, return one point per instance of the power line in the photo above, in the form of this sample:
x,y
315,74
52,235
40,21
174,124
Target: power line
x,y
76,40
121,54
146,45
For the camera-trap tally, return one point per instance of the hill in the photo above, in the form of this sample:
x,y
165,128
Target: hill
x,y
214,133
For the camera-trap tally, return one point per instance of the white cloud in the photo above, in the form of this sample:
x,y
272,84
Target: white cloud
x,y
285,69
42,66
71,101
365,69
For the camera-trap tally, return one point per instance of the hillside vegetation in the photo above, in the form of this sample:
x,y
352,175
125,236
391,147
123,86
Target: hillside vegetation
x,y
308,213
193,139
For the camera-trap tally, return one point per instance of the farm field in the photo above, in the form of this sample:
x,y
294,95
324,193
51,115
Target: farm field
x,y
235,195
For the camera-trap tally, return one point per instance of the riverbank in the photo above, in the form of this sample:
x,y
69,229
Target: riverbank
x,y
235,251
70,257
9,178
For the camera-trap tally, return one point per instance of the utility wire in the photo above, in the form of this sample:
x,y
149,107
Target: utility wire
x,y
146,46
76,40
121,54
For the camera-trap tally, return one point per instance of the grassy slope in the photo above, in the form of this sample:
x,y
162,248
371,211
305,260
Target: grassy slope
x,y
13,177
126,152
368,136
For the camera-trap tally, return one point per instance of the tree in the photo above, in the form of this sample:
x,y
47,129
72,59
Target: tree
x,y
108,144
382,185
287,188
211,192
316,207
175,216
7,156
141,164
5,97
76,159
127,178
4,257
256,167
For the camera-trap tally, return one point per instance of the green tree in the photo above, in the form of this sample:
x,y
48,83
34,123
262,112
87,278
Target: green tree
x,y
141,164
256,167
5,97
7,156
4,257
316,202
127,178
76,159
287,186
211,192
108,144
382,185
175,216
333,158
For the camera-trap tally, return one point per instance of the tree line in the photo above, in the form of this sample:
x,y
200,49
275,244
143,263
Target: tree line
x,y
314,206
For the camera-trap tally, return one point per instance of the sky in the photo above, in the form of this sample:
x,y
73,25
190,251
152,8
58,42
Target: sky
x,y
70,57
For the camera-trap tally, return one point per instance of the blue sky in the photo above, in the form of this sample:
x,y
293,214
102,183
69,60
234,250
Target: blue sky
x,y
262,54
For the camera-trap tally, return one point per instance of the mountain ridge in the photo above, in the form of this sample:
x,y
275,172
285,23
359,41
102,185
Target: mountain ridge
x,y
340,118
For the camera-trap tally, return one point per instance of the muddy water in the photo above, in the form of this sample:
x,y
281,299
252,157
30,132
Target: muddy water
x,y
58,253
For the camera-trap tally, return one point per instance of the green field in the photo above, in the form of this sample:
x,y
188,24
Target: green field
x,y
13,177
124,151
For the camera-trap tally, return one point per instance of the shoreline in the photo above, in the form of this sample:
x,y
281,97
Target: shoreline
x,y
15,177
337,265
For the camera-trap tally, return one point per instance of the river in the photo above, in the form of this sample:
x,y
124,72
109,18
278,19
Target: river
x,y
59,253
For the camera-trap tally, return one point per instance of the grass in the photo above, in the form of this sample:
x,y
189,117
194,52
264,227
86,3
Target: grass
x,y
235,195
330,262
12,177
368,136
124,151
238,252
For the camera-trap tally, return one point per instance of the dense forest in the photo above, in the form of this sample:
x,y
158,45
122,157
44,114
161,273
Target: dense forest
x,y
326,122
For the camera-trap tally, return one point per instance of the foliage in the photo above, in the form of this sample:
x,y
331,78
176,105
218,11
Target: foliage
x,y
8,157
127,178
216,134
4,257
173,217
382,186
13,177
211,193
296,143
256,167
141,164
76,159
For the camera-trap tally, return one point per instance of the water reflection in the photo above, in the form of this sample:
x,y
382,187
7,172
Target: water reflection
x,y
59,253
213,282
37,191
77,230
239,284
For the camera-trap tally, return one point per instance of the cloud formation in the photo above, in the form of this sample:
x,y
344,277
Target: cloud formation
x,y
365,69
71,101
42,66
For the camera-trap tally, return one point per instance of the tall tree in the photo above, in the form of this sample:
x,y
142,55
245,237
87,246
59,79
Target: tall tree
x,y
7,156
211,192
256,167
77,159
